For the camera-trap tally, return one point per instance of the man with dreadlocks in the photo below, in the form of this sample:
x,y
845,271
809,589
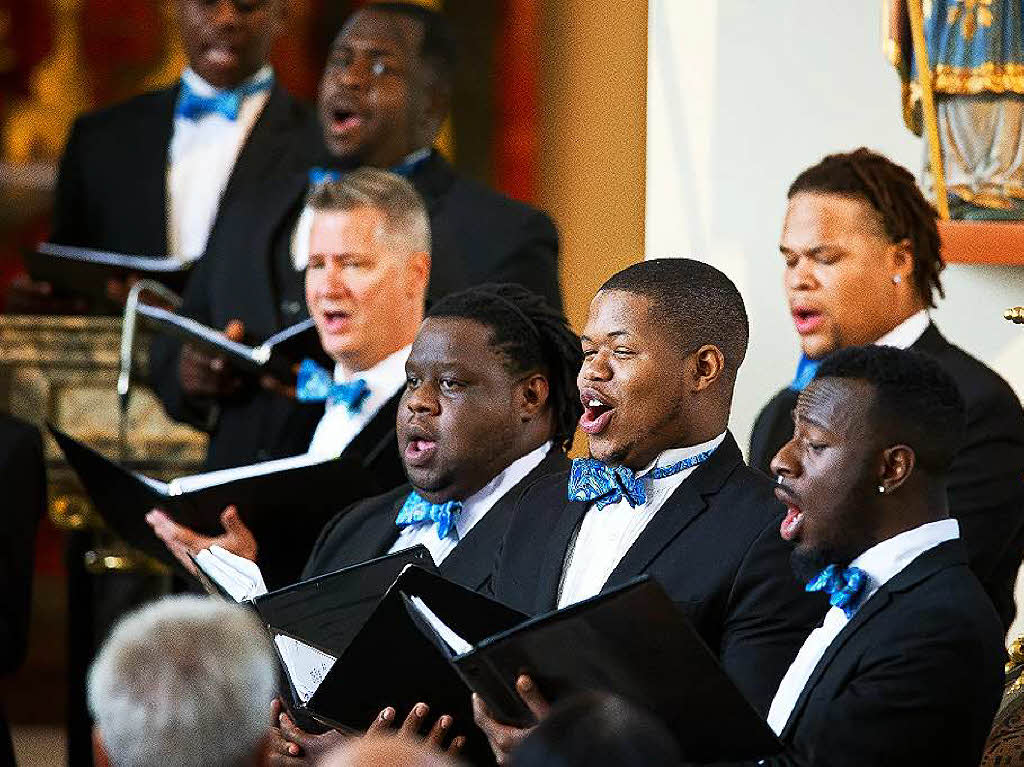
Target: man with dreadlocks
x,y
489,406
862,263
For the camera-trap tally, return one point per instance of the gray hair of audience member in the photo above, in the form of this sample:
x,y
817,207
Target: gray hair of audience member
x,y
183,681
598,728
405,215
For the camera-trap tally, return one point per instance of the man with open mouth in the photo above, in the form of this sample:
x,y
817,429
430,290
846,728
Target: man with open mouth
x,y
488,407
384,94
862,266
906,667
665,490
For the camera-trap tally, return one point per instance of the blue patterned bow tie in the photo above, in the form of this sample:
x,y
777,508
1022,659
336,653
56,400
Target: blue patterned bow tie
x,y
405,169
844,586
317,385
805,370
193,106
591,480
417,509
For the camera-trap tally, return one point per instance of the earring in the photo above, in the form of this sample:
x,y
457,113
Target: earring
x,y
897,279
881,489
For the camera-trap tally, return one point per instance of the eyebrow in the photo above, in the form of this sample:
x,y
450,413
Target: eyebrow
x,y
610,334
812,251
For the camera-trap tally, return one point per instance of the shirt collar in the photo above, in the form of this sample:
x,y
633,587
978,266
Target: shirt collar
x,y
388,369
905,335
483,499
884,560
200,87
676,454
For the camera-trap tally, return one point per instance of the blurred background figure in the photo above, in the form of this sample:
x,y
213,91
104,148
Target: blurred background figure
x,y
23,479
183,681
598,730
386,751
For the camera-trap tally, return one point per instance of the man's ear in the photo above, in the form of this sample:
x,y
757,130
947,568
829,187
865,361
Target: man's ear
x,y
901,261
532,396
419,273
896,467
708,366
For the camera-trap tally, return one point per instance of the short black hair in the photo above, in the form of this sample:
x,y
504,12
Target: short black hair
x,y
894,194
916,401
698,303
438,47
532,336
598,728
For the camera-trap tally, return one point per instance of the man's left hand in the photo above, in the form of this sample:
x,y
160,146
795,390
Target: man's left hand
x,y
504,738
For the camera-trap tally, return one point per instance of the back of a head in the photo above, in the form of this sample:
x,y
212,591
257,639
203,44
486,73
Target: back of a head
x,y
917,403
598,730
183,681
694,301
385,751
891,190
531,336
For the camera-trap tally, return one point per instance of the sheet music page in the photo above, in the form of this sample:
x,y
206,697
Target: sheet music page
x,y
307,666
238,576
458,645
183,485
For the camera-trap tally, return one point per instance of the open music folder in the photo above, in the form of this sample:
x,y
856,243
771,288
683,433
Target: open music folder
x,y
278,355
266,494
79,271
432,640
311,623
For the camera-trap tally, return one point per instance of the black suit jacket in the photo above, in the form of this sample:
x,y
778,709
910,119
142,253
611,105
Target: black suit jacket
x,y
367,530
112,183
478,236
986,482
715,548
372,465
915,677
23,479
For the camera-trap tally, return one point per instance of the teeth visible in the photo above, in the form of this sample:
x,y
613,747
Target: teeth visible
x,y
595,403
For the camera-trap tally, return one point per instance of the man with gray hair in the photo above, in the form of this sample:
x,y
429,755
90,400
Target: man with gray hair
x,y
366,280
183,681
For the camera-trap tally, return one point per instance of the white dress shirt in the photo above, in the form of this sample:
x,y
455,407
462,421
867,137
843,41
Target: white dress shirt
x,y
338,426
473,509
905,335
880,563
201,157
605,535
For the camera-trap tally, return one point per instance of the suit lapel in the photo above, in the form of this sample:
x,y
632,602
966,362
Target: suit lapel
x,y
559,538
377,435
264,145
150,162
472,561
682,507
924,566
380,534
432,180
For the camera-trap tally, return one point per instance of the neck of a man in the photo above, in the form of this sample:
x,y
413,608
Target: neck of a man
x,y
643,458
385,160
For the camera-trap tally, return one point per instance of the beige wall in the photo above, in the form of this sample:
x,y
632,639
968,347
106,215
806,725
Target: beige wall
x,y
593,117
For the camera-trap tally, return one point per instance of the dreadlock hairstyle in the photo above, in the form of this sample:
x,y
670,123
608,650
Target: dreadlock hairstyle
x,y
531,336
891,190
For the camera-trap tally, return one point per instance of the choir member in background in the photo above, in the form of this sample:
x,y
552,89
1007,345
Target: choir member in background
x,y
862,265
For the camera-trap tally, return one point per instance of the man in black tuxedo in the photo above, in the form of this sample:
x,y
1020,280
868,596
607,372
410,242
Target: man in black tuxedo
x,y
23,478
665,491
383,97
367,275
489,407
863,258
907,666
151,176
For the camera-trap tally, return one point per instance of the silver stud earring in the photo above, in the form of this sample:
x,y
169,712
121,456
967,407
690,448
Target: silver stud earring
x,y
897,279
881,489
